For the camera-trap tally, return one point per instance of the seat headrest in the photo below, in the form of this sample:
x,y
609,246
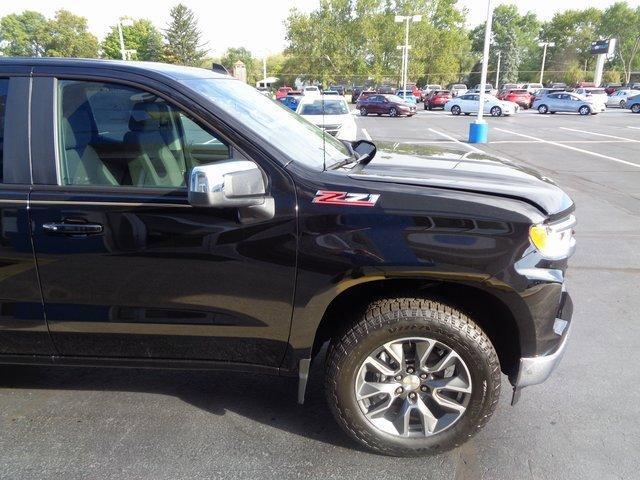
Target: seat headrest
x,y
148,116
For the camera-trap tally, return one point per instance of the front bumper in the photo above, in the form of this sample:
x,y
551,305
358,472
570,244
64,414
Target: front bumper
x,y
535,370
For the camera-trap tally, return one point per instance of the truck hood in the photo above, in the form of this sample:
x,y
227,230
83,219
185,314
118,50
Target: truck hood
x,y
465,171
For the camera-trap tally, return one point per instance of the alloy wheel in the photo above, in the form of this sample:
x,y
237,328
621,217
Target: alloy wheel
x,y
413,387
455,110
543,109
635,108
363,112
496,111
393,112
584,110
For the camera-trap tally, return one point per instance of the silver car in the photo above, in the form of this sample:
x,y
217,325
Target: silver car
x,y
568,102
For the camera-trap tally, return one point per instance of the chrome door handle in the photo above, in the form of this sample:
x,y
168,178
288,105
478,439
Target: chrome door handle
x,y
72,228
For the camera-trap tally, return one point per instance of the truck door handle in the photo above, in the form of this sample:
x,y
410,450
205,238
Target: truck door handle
x,y
72,228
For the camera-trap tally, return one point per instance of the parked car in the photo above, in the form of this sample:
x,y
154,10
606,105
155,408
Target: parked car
x,y
266,91
509,86
391,105
385,89
366,94
407,95
427,89
415,91
355,93
611,88
331,92
292,99
569,102
520,96
488,88
311,91
331,114
619,97
457,89
283,92
633,104
559,85
532,87
469,103
337,88
593,92
437,99
426,271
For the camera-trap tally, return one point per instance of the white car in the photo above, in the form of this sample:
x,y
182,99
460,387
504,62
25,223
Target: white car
x,y
598,95
532,87
469,102
619,97
457,89
311,91
331,113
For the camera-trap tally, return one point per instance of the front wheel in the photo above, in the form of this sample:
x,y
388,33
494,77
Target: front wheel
x,y
584,110
411,377
543,109
635,108
496,111
455,110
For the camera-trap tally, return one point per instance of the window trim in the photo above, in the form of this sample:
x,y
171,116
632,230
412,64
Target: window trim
x,y
52,105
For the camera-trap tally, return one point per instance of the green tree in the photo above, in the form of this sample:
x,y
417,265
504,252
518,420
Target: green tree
x,y
622,22
24,34
68,37
183,38
232,55
572,31
142,36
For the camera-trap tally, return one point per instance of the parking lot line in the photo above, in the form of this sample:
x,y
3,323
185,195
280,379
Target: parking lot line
x,y
366,134
600,134
562,141
636,128
569,147
455,140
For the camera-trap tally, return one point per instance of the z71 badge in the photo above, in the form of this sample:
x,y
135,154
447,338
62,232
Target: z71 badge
x,y
346,198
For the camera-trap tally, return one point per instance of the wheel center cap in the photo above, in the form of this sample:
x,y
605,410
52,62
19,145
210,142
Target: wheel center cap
x,y
411,382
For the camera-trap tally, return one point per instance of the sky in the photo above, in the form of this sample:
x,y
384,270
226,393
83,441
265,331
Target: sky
x,y
255,24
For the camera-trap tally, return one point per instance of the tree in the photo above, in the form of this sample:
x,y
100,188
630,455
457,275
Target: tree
x,y
24,34
68,37
232,55
622,22
184,39
572,31
142,36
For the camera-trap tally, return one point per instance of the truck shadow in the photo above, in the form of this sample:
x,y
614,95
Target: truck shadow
x,y
265,399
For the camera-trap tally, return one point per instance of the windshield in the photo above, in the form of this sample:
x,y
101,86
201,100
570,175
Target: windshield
x,y
271,120
331,107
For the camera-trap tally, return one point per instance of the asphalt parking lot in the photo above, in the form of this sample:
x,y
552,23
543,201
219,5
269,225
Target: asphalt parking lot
x,y
584,423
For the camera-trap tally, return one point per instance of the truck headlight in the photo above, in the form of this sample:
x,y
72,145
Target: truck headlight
x,y
554,241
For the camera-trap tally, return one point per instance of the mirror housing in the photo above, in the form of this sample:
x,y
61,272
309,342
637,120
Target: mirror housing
x,y
227,184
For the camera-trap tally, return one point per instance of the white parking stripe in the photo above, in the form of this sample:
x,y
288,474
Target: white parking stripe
x,y
600,134
455,140
366,134
568,147
560,141
636,128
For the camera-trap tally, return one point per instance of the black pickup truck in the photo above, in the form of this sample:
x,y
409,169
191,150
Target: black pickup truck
x,y
163,216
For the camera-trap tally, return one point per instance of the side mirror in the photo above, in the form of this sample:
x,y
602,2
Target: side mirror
x,y
227,184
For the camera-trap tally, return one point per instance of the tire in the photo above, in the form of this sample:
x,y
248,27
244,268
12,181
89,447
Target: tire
x,y
623,103
543,109
635,108
363,111
422,321
393,112
584,110
496,112
455,110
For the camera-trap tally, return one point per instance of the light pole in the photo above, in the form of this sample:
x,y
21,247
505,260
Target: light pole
x,y
479,130
401,48
124,22
497,87
544,46
405,58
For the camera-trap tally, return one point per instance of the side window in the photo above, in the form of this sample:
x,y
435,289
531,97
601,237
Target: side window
x,y
116,135
4,87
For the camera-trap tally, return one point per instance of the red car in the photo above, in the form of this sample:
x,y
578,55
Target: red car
x,y
437,99
519,96
415,91
283,92
391,105
611,88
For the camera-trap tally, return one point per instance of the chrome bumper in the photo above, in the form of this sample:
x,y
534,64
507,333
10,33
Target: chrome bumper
x,y
535,370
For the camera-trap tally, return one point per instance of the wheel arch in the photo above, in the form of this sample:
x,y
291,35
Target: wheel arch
x,y
489,311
